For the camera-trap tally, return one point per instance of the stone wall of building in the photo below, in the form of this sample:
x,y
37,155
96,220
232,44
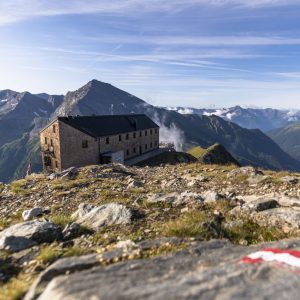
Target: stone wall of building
x,y
50,145
132,143
77,148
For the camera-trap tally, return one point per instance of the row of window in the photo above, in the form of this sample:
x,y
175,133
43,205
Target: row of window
x,y
134,135
134,150
85,144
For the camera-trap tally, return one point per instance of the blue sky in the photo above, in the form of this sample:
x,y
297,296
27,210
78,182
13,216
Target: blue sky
x,y
198,53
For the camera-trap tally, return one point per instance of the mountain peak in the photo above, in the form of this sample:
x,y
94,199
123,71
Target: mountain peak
x,y
95,82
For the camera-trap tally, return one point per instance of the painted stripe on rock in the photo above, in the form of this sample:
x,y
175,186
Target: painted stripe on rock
x,y
288,257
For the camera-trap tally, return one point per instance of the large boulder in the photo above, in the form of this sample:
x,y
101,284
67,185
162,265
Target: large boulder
x,y
205,270
82,210
285,218
24,235
69,173
104,215
267,211
247,171
32,213
212,196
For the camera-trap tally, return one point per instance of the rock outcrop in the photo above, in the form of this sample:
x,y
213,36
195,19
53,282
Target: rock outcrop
x,y
104,215
24,235
167,232
215,154
210,270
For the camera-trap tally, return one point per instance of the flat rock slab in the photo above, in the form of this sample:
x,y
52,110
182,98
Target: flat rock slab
x,y
104,215
250,171
60,267
175,198
262,204
286,218
288,201
283,200
207,270
24,235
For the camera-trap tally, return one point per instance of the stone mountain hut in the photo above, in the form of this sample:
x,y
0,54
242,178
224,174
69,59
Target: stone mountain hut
x,y
83,140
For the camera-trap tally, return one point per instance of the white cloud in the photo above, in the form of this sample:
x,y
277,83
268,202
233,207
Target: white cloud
x,y
197,41
18,10
289,75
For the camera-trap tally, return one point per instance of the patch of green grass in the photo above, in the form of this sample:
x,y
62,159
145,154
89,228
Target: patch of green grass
x,y
62,220
140,190
58,187
223,206
240,178
75,251
253,233
162,250
189,225
19,187
49,253
15,288
197,152
4,223
4,254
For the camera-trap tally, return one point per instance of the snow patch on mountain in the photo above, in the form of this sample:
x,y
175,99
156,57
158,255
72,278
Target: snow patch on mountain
x,y
219,112
186,111
247,117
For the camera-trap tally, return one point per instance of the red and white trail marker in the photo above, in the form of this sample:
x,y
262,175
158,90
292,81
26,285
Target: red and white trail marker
x,y
288,257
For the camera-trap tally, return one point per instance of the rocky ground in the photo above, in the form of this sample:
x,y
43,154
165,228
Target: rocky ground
x,y
172,232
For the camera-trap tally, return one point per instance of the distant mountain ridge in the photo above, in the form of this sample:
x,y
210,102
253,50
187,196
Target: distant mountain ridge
x,y
264,119
23,114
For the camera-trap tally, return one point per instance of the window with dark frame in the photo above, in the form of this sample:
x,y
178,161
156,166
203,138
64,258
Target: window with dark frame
x,y
146,146
85,144
155,130
120,138
46,140
127,152
134,135
56,164
150,131
54,129
146,132
51,143
107,140
140,133
134,150
151,145
127,136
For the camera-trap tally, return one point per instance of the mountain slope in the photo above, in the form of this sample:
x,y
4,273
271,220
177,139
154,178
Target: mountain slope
x,y
247,146
288,138
24,113
19,112
15,157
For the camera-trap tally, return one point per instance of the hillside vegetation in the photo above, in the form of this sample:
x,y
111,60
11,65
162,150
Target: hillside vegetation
x,y
215,154
115,213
